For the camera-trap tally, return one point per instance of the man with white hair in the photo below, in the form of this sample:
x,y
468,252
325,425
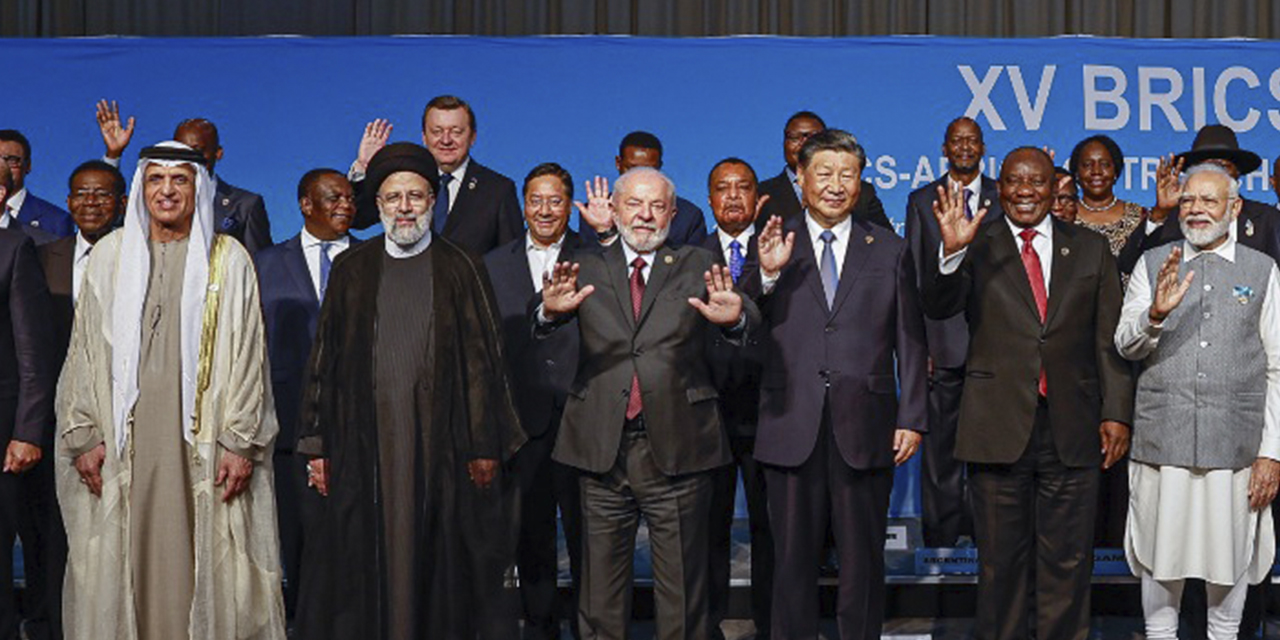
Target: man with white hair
x,y
166,425
407,419
1200,316
641,420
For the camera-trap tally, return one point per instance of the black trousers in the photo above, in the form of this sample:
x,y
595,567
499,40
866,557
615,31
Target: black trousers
x,y
802,502
1034,524
943,495
297,508
44,549
546,486
723,494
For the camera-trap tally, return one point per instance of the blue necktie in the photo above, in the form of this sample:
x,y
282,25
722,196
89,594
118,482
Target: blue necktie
x,y
736,260
325,265
830,277
968,208
441,211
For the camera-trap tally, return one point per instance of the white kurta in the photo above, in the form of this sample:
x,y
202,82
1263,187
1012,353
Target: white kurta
x,y
237,563
1196,523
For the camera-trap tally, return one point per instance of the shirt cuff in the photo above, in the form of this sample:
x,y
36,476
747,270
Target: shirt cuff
x,y
768,282
948,264
115,162
235,445
80,441
310,446
1151,227
354,174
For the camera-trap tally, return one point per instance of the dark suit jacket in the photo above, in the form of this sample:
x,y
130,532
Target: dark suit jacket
x,y
688,226
242,215
56,259
667,348
1088,381
540,371
783,202
737,368
1258,227
45,216
485,215
949,338
845,358
290,310
28,358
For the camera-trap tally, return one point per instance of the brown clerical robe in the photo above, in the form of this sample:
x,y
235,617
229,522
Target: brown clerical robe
x,y
407,546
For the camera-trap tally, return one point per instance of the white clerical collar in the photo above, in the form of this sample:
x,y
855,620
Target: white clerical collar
x,y
309,240
530,245
1226,250
396,251
743,237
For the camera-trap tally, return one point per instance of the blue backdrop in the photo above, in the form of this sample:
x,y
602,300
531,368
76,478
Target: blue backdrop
x,y
287,104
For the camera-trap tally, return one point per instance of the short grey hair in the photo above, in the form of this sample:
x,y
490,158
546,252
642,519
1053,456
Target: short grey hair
x,y
625,179
1233,187
832,140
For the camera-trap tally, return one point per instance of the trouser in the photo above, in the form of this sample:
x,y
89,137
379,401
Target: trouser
x,y
725,485
297,509
44,549
1161,601
943,496
675,508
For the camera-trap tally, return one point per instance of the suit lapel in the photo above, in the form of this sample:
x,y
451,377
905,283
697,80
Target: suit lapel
x,y
857,249
62,263
615,261
1063,268
470,180
296,263
664,260
1008,260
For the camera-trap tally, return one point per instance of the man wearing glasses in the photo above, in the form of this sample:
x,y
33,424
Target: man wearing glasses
x,y
22,205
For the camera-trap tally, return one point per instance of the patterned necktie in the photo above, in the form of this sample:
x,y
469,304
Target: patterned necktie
x,y
1035,274
326,263
440,212
968,208
634,403
736,260
830,277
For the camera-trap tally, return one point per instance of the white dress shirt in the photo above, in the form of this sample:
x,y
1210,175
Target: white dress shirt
x,y
396,251
1042,244
455,185
79,261
839,247
743,238
975,191
795,185
631,255
541,259
11,207
311,252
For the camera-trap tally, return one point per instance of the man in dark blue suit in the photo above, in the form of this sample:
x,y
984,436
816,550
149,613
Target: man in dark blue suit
x,y
942,481
22,206
735,205
237,212
291,279
643,149
540,372
843,329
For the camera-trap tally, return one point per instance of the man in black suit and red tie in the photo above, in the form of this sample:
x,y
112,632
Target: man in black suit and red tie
x,y
784,191
477,207
942,484
1047,398
842,330
735,204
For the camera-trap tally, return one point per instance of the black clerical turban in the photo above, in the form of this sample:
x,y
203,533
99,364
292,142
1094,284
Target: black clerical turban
x,y
394,158
1218,142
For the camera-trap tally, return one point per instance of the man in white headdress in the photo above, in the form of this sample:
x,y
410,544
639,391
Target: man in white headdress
x,y
166,426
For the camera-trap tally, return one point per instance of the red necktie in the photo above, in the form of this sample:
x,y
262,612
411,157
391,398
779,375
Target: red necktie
x,y
634,404
1031,262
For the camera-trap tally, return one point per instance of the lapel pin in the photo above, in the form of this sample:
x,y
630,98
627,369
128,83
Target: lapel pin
x,y
1248,228
986,203
668,259
869,239
472,184
226,201
1066,251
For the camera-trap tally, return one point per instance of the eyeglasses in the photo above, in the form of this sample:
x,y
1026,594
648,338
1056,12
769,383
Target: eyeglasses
x,y
416,199
92,194
13,161
536,202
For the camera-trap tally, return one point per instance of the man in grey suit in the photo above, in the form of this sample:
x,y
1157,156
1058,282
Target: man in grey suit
x,y
1047,399
641,420
942,483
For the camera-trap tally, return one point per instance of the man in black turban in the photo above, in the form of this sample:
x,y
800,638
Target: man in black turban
x,y
407,419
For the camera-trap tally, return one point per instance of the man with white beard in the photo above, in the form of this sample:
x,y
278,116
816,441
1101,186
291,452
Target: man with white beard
x,y
641,420
1200,316
407,420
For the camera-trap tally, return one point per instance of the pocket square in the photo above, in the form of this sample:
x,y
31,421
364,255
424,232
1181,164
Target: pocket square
x,y
1242,294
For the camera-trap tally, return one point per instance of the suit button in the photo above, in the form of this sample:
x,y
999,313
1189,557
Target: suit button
x,y
829,330
1203,344
637,352
551,363
626,392
1042,340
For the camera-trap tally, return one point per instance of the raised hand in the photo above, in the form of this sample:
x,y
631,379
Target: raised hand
x,y
598,211
957,229
1168,188
560,293
114,136
775,250
1169,288
375,138
723,306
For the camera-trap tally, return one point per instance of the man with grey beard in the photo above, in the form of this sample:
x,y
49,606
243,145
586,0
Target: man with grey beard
x,y
407,420
641,420
1200,316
